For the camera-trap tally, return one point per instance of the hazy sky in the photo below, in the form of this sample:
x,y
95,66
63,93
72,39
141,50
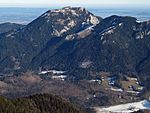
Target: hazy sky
x,y
74,2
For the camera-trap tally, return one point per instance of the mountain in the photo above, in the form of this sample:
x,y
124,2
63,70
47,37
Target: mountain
x,y
19,48
5,27
40,103
72,53
74,40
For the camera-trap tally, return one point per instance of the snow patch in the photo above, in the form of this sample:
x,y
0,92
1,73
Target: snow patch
x,y
95,80
120,24
84,24
85,33
125,108
140,36
70,37
71,23
139,21
86,64
94,20
10,34
148,33
81,34
51,71
61,77
104,42
74,13
59,33
134,92
109,30
116,89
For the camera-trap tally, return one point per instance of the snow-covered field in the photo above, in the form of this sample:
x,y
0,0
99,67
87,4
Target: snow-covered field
x,y
125,108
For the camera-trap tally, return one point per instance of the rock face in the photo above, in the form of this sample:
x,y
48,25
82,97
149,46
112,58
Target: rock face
x,y
73,39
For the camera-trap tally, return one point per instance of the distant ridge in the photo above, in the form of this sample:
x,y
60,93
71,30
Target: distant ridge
x,y
5,27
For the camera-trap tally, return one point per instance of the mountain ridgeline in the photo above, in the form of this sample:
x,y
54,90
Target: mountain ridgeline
x,y
74,40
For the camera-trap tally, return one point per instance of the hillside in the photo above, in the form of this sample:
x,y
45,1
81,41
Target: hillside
x,y
40,103
5,27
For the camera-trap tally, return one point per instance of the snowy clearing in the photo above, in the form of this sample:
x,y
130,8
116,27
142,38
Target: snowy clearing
x,y
125,108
